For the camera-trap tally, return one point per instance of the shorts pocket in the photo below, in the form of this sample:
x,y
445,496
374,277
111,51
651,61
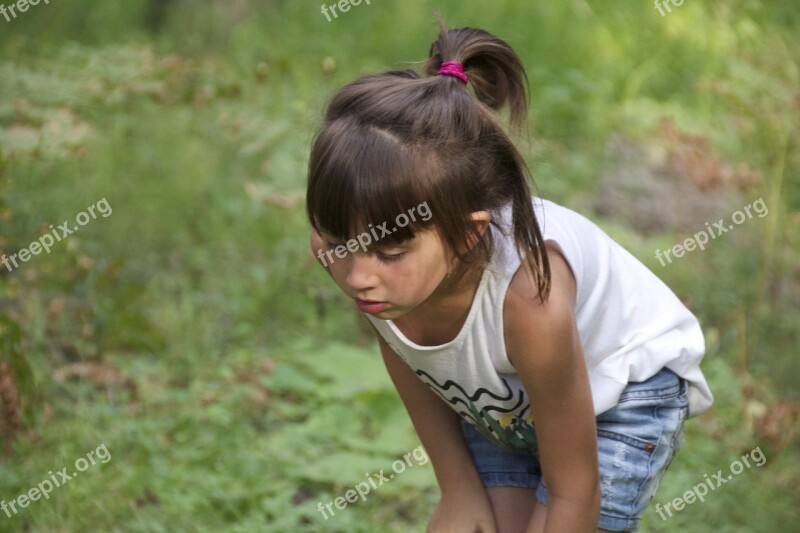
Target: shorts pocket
x,y
637,440
640,444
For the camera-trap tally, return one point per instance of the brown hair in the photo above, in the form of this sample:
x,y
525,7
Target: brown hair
x,y
395,140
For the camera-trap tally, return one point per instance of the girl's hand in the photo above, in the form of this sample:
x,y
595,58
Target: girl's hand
x,y
463,512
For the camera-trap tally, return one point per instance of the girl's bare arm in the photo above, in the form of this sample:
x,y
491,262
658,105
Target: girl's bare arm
x,y
543,343
464,505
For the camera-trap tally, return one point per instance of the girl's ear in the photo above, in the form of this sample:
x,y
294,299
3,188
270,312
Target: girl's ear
x,y
479,220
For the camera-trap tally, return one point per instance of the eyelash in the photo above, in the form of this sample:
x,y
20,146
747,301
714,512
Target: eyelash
x,y
390,258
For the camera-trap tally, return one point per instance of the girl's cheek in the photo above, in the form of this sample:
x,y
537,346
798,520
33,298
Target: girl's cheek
x,y
317,243
340,270
339,274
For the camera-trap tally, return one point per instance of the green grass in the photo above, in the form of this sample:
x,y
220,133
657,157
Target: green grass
x,y
233,386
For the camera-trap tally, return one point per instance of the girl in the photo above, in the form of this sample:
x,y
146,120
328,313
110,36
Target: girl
x,y
547,372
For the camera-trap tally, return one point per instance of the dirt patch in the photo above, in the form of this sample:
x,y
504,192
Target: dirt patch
x,y
672,182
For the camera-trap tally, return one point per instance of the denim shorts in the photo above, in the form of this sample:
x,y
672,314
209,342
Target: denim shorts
x,y
636,440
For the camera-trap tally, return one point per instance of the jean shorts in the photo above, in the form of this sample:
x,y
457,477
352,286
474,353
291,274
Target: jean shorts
x,y
636,439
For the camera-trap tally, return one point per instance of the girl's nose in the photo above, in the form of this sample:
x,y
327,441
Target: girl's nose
x,y
361,276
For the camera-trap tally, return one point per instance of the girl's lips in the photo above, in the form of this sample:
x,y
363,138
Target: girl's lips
x,y
367,306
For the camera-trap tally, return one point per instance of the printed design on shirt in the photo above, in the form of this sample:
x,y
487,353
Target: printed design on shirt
x,y
511,427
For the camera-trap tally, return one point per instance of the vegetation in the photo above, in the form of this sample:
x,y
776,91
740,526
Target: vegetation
x,y
191,332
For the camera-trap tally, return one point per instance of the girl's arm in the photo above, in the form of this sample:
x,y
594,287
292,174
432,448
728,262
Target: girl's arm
x,y
464,505
543,344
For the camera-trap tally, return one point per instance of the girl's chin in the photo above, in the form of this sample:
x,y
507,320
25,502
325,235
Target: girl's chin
x,y
392,313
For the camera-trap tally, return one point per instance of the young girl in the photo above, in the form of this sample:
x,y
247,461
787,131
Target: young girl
x,y
547,372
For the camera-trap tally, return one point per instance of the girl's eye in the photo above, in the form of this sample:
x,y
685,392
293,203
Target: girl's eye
x,y
331,245
388,258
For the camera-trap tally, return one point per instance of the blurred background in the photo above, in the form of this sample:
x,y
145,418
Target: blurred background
x,y
191,332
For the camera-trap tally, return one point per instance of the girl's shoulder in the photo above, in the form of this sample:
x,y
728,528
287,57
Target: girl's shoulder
x,y
524,314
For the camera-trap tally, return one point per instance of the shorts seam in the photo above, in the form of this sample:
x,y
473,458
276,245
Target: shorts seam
x,y
617,523
654,394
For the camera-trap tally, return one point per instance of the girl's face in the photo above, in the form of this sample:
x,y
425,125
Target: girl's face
x,y
386,282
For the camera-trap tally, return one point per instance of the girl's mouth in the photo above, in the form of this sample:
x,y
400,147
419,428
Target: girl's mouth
x,y
368,306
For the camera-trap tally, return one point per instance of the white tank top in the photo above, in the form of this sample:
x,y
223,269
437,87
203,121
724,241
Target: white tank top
x,y
631,325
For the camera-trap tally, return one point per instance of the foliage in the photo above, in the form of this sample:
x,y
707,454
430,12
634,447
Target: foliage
x,y
191,332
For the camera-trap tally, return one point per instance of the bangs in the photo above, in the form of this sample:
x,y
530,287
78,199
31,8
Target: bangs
x,y
363,178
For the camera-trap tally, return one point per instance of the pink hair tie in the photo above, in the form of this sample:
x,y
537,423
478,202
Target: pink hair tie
x,y
455,69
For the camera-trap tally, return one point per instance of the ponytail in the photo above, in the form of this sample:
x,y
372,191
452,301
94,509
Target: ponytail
x,y
494,70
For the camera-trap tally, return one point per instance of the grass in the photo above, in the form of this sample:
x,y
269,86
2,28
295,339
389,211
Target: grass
x,y
192,334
